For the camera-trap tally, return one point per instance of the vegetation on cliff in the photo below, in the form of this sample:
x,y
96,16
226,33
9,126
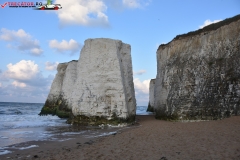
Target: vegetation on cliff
x,y
58,108
208,28
99,120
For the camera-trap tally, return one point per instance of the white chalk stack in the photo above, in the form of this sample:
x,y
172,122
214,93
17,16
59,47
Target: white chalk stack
x,y
99,84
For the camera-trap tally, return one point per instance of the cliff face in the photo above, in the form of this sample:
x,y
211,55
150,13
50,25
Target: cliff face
x,y
96,89
104,86
198,76
151,96
58,99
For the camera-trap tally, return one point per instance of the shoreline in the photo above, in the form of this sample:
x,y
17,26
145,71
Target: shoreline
x,y
149,139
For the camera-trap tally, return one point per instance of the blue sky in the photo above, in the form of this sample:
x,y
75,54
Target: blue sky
x,y
33,42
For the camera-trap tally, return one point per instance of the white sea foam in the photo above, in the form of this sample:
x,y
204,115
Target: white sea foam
x,y
145,113
66,139
142,110
113,126
103,134
32,146
20,122
27,121
30,118
3,137
2,152
45,134
21,132
72,133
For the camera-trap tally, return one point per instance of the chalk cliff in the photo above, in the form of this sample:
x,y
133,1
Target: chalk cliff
x,y
151,96
58,99
104,86
96,89
198,74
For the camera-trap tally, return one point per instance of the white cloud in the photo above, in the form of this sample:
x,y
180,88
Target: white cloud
x,y
36,51
140,72
24,83
64,46
92,12
27,72
114,4
0,84
19,84
21,41
141,87
8,35
120,5
82,12
141,91
136,3
51,66
23,70
131,3
21,93
208,22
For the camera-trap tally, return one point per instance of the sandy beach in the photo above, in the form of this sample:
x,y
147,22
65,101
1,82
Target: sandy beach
x,y
147,139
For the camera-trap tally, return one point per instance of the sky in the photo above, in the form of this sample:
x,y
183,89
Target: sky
x,y
33,42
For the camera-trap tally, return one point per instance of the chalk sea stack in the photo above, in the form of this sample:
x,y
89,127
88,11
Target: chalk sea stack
x,y
151,96
58,100
96,89
198,74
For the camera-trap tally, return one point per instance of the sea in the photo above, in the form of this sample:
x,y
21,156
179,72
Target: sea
x,y
20,122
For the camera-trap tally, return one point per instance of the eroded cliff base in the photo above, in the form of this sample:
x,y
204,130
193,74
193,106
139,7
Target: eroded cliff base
x,y
58,108
208,114
99,120
150,108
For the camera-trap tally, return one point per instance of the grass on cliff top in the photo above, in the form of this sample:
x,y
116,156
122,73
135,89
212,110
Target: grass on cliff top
x,y
208,28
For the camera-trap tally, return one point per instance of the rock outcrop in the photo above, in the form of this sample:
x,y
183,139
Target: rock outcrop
x,y
104,86
98,88
58,99
198,74
151,96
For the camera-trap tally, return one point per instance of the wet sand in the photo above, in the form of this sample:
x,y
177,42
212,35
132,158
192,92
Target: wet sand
x,y
149,139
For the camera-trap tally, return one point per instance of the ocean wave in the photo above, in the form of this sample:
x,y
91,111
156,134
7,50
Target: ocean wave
x,y
142,110
25,115
11,111
2,152
28,147
19,108
2,112
26,121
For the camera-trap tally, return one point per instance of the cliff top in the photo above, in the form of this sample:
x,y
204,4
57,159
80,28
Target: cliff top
x,y
106,39
208,28
69,62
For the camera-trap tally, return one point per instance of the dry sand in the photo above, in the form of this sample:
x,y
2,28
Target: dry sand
x,y
151,139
